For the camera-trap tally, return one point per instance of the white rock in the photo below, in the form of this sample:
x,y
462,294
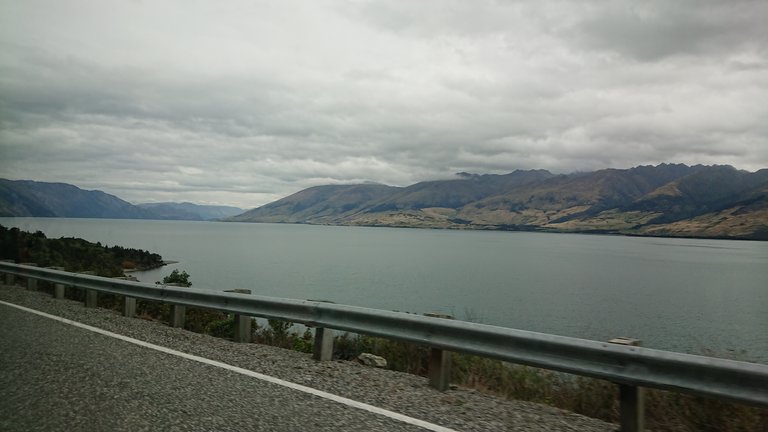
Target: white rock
x,y
369,359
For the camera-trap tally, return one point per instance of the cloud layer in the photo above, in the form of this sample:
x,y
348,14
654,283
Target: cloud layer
x,y
245,102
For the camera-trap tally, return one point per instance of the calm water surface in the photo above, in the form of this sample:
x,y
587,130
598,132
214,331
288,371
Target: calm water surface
x,y
694,296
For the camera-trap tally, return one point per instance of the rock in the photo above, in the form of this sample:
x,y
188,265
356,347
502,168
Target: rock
x,y
369,359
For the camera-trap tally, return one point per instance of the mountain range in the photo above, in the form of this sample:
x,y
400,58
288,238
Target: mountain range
x,y
665,200
40,199
716,201
189,211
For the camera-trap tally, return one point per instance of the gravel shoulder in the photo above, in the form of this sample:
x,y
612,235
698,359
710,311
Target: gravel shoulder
x,y
460,409
66,378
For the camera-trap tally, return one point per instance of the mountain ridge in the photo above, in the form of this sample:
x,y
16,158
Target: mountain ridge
x,y
190,211
715,201
44,199
29,198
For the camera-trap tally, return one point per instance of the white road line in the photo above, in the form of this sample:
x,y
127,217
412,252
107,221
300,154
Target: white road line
x,y
338,399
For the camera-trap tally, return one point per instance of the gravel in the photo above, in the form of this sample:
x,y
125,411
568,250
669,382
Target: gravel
x,y
460,409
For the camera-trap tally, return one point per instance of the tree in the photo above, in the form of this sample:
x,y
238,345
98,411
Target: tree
x,y
176,277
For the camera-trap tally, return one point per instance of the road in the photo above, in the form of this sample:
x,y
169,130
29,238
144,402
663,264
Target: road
x,y
78,368
59,377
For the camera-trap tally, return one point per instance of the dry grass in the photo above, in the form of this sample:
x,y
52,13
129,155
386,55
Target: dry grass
x,y
665,411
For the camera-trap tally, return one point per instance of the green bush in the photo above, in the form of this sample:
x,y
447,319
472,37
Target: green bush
x,y
153,310
305,342
224,328
197,320
176,277
277,333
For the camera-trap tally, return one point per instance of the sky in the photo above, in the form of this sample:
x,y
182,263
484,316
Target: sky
x,y
244,102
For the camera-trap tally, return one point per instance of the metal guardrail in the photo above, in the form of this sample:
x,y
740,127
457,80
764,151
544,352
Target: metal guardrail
x,y
630,367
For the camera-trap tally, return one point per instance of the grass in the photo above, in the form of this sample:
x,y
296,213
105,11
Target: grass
x,y
665,411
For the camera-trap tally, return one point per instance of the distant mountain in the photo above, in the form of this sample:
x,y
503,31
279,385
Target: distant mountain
x,y
40,199
667,200
318,204
565,197
455,193
704,191
334,203
31,198
189,211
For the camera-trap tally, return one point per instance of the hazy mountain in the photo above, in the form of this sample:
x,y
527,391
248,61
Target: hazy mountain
x,y
41,199
189,211
31,198
679,200
668,200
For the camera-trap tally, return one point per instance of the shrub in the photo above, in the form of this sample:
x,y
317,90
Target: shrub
x,y
305,342
224,328
176,277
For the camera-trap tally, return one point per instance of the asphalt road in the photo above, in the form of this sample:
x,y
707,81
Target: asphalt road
x,y
56,377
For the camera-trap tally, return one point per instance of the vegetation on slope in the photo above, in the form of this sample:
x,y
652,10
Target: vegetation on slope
x,y
74,254
665,411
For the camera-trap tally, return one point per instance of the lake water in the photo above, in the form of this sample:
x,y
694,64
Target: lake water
x,y
696,296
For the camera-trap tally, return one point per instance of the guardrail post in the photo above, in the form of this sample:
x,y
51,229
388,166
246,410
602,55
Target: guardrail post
x,y
322,350
243,323
439,372
10,279
631,398
129,303
631,408
242,328
91,298
54,285
178,313
439,369
129,306
58,291
31,282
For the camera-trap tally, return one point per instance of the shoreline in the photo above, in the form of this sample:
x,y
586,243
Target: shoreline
x,y
527,228
143,269
524,228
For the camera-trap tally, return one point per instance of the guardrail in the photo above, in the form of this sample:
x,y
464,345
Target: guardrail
x,y
630,367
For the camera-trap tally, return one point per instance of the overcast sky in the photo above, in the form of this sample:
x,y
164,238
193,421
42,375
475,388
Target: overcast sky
x,y
244,102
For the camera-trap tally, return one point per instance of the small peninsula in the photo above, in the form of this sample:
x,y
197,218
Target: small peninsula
x,y
73,254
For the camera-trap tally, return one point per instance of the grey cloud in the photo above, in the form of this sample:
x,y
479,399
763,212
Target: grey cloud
x,y
457,18
48,84
275,100
658,29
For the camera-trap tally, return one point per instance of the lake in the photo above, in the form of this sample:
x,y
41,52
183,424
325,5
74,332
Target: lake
x,y
687,295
